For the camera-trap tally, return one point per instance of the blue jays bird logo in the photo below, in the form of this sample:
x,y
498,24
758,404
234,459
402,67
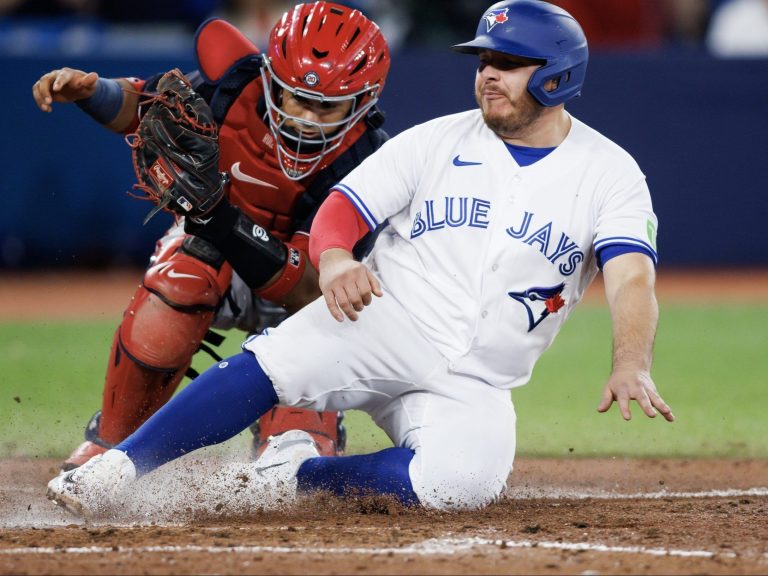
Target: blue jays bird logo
x,y
498,16
550,296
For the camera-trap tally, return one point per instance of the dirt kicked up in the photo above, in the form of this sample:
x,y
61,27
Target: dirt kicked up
x,y
567,516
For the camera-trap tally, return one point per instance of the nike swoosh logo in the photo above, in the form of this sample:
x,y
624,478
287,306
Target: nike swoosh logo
x,y
173,274
260,469
457,162
243,177
283,446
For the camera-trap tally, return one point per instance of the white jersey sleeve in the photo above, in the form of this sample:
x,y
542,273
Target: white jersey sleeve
x,y
389,177
625,214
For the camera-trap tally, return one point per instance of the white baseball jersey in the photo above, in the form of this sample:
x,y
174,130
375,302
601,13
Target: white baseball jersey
x,y
482,262
489,257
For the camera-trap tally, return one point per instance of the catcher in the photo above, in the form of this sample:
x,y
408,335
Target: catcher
x,y
243,151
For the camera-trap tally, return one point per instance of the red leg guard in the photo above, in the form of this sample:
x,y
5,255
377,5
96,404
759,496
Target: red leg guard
x,y
133,392
325,428
160,332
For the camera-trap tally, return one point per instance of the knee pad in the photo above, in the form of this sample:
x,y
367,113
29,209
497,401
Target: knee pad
x,y
161,330
189,275
173,308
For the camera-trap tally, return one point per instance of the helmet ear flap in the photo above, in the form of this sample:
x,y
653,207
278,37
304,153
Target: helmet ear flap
x,y
567,83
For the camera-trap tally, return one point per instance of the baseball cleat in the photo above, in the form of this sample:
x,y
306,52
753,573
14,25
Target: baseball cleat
x,y
285,453
270,481
93,489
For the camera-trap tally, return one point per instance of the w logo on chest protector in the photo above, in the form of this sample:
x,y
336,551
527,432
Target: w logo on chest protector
x,y
545,301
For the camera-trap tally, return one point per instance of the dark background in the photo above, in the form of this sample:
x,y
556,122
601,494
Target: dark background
x,y
697,124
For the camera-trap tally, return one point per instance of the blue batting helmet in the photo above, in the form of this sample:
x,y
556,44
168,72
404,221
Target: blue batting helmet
x,y
538,30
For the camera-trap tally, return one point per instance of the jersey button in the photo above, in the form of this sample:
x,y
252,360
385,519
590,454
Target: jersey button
x,y
495,267
484,314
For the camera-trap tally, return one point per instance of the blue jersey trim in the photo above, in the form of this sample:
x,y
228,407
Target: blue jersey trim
x,y
611,251
525,155
629,241
359,205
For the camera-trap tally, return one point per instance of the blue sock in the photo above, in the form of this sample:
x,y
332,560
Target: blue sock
x,y
214,407
384,472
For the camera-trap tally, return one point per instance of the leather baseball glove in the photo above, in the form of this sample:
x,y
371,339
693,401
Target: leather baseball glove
x,y
176,151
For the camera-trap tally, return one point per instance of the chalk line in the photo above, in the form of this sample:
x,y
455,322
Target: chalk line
x,y
430,547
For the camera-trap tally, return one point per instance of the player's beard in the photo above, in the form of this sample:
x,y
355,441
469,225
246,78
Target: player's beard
x,y
515,124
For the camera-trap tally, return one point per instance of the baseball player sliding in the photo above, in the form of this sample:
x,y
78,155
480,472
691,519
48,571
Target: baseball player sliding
x,y
494,222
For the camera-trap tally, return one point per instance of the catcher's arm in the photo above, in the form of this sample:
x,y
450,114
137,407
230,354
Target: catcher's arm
x,y
307,287
113,103
275,270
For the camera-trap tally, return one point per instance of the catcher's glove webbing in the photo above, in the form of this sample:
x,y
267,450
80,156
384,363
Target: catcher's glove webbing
x,y
176,151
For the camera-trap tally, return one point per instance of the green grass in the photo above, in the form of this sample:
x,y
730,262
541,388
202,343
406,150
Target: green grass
x,y
51,378
711,367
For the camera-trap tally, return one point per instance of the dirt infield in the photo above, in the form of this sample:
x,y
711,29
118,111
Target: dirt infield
x,y
564,516
558,517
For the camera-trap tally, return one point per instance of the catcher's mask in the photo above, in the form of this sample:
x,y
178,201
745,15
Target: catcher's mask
x,y
540,31
321,52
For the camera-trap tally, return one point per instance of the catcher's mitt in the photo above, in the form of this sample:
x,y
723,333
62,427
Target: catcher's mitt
x,y
176,151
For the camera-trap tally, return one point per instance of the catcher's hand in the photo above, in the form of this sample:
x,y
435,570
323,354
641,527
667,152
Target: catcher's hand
x,y
63,85
176,151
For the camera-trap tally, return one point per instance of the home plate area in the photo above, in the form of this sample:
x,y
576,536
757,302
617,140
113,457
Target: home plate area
x,y
558,516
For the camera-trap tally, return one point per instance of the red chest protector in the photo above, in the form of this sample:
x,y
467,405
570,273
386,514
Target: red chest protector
x,y
257,183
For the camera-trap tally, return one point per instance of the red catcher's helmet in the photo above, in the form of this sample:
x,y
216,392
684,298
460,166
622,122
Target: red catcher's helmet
x,y
327,53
